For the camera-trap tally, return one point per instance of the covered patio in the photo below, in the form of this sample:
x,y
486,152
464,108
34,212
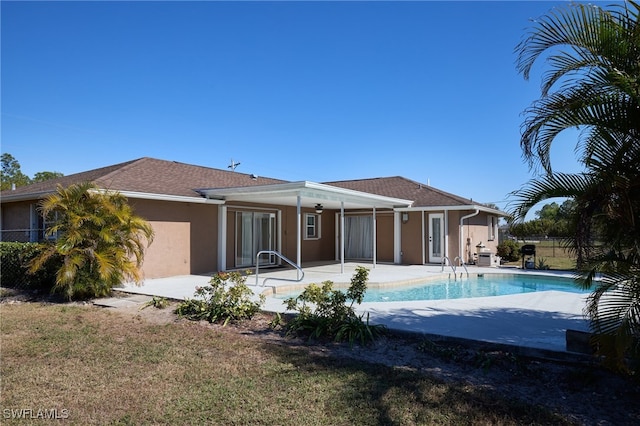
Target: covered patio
x,y
309,195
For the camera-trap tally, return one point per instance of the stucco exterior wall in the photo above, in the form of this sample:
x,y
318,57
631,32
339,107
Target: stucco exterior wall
x,y
185,237
453,223
186,234
384,230
323,248
411,240
475,231
16,216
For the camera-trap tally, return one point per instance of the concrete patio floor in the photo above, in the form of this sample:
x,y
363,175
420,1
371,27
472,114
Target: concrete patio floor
x,y
533,321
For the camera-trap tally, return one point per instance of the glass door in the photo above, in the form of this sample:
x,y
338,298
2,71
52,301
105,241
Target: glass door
x,y
255,231
436,237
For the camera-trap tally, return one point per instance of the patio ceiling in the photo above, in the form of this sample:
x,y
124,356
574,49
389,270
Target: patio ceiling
x,y
310,194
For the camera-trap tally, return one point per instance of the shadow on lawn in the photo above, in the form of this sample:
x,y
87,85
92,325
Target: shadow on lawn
x,y
403,396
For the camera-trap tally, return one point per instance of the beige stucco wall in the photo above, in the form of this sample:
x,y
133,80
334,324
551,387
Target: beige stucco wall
x,y
411,240
475,228
384,230
476,231
185,237
16,216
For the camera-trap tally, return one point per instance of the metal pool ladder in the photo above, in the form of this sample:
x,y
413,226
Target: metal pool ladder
x,y
453,266
463,265
299,270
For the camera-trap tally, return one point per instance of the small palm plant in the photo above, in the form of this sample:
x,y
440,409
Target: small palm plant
x,y
324,313
99,240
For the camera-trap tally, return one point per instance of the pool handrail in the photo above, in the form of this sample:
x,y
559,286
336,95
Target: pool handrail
x,y
275,253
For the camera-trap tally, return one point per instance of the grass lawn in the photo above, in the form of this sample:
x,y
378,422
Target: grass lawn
x,y
96,366
552,254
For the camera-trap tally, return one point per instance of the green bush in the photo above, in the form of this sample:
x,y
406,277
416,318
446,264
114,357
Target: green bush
x,y
226,298
323,313
509,251
99,238
15,257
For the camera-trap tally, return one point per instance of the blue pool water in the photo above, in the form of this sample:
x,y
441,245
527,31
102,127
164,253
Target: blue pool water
x,y
474,286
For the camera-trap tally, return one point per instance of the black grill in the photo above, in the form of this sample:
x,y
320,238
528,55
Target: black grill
x,y
528,250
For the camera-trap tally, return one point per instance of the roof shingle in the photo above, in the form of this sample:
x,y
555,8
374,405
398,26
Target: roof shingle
x,y
150,175
153,176
400,187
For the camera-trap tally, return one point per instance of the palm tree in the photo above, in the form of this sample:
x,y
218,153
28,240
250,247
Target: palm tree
x,y
99,239
593,84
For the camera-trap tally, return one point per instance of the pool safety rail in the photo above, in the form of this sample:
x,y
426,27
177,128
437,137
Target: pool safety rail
x,y
300,272
453,266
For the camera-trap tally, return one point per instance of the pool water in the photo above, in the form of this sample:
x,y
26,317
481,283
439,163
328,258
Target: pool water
x,y
474,286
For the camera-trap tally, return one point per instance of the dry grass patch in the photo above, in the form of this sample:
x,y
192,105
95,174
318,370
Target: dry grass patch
x,y
107,367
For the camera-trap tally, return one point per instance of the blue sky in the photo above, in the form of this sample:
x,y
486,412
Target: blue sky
x,y
316,91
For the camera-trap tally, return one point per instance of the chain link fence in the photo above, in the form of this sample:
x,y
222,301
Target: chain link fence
x,y
22,235
550,253
17,248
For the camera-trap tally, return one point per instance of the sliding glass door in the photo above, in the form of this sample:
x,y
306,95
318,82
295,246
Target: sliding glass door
x,y
255,231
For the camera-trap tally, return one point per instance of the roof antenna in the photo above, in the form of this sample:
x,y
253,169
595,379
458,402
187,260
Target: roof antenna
x,y
233,165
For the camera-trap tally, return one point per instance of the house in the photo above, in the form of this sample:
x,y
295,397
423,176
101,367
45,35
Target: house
x,y
208,220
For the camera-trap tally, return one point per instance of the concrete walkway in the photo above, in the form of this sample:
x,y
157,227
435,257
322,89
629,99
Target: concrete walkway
x,y
534,320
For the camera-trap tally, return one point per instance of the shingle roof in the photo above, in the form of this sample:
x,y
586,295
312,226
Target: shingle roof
x,y
150,175
400,187
153,176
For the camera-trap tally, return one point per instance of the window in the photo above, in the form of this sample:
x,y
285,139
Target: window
x,y
47,223
312,226
492,225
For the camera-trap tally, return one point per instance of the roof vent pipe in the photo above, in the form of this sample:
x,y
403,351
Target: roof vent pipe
x,y
13,186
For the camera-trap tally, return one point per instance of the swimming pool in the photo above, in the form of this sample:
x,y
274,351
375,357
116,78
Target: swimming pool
x,y
486,285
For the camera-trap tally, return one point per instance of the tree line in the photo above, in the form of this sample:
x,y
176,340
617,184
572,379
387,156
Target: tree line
x,y
11,174
552,220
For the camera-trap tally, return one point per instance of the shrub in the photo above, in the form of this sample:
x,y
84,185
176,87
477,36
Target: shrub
x,y
227,297
509,250
15,258
323,313
98,237
542,264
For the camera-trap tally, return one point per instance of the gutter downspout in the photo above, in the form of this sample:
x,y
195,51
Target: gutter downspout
x,y
462,231
298,232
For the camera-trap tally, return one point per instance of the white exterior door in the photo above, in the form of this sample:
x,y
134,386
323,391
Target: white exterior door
x,y
436,237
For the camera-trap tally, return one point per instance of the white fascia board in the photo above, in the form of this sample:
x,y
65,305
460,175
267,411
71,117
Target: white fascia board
x,y
128,194
25,197
453,208
166,197
307,189
320,190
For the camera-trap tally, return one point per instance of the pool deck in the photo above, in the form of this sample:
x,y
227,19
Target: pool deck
x,y
532,321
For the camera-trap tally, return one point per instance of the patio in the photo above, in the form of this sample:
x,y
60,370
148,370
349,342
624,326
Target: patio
x,y
532,322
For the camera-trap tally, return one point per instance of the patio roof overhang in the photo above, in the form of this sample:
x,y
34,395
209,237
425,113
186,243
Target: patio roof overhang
x,y
463,207
309,193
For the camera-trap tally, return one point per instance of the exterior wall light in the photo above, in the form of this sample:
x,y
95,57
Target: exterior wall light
x,y
405,217
319,208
